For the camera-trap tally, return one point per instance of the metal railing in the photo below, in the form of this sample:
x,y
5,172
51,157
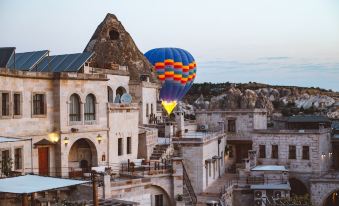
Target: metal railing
x,y
189,187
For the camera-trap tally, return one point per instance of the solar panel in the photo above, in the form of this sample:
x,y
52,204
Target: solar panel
x,y
26,61
6,53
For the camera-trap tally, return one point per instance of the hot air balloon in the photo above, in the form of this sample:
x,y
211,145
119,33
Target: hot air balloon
x,y
176,70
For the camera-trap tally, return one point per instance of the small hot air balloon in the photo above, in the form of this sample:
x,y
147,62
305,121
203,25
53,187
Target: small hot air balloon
x,y
176,70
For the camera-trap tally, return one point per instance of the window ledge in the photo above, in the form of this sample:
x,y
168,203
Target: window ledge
x,y
75,122
17,116
90,122
39,116
5,117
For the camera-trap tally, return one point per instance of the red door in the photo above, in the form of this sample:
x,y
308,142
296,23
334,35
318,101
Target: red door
x,y
43,161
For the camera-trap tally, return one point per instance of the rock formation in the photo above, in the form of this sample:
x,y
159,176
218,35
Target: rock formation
x,y
114,46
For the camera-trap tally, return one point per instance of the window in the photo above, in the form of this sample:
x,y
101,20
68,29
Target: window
x,y
114,35
275,152
147,110
230,151
231,126
5,158
129,145
16,104
5,104
291,152
209,169
110,95
152,109
120,147
159,200
18,159
306,152
262,151
90,107
74,108
39,104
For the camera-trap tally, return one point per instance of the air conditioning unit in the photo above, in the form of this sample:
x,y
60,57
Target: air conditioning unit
x,y
258,194
203,127
258,202
277,194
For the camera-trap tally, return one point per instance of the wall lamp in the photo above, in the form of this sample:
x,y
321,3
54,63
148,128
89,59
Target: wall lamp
x,y
66,141
323,155
99,138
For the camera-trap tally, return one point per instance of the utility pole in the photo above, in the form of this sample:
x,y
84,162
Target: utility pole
x,y
95,189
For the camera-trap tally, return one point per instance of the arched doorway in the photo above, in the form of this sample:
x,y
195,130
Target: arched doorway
x,y
82,156
332,199
159,195
297,187
120,91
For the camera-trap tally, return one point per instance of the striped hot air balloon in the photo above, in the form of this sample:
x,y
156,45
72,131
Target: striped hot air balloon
x,y
176,69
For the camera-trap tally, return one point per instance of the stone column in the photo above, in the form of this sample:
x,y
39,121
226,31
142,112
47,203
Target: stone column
x,y
107,187
178,183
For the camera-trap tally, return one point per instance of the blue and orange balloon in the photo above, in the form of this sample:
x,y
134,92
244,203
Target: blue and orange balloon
x,y
176,69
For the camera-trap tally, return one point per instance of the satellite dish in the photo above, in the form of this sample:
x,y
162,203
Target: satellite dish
x,y
117,99
126,98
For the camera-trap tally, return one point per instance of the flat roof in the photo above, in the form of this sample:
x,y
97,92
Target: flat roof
x,y
33,183
10,139
271,187
269,168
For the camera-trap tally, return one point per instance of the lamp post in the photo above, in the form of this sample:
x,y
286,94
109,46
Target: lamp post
x,y
66,141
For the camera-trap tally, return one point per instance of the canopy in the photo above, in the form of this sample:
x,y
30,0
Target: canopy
x,y
32,183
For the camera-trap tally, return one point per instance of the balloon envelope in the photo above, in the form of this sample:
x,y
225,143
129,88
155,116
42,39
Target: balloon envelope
x,y
176,70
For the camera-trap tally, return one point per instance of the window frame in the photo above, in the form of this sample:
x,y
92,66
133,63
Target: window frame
x,y
290,156
9,104
20,159
308,152
129,145
232,128
71,115
262,151
94,114
120,147
20,104
277,152
44,107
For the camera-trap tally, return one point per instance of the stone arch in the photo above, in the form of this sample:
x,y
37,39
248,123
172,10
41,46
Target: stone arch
x,y
297,187
121,90
156,189
82,155
332,198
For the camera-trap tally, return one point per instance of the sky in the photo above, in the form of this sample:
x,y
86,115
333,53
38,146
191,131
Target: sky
x,y
280,42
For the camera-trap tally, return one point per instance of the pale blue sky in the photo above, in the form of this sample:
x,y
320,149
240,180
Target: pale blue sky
x,y
288,42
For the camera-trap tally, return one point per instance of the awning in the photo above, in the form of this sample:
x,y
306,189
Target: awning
x,y
11,139
43,142
32,183
271,187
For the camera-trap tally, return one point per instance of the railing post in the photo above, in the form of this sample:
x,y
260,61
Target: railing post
x,y
128,165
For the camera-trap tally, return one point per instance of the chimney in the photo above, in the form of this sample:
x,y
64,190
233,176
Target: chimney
x,y
168,130
180,120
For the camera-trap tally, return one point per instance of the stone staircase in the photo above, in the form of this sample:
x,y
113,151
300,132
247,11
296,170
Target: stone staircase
x,y
189,195
161,151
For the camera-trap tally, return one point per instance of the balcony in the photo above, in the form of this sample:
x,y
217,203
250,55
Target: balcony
x,y
238,136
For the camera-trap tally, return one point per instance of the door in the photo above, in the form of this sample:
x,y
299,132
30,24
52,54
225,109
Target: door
x,y
43,161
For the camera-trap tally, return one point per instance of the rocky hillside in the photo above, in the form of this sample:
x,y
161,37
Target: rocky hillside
x,y
276,99
113,46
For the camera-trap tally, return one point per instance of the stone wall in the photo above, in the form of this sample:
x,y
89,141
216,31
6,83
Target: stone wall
x,y
318,142
321,189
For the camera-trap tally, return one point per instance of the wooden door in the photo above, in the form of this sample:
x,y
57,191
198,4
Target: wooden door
x,y
43,161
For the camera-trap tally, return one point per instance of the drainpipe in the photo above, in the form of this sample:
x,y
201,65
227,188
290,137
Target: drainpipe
x,y
31,155
108,138
219,141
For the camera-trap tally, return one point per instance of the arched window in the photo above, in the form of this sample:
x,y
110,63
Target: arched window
x,y
120,91
74,108
90,107
110,94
